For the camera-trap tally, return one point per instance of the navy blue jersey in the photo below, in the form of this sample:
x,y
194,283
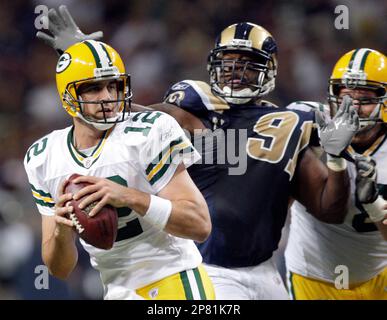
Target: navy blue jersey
x,y
248,198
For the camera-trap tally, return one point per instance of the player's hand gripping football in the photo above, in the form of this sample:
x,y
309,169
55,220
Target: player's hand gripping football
x,y
102,191
62,211
64,30
336,134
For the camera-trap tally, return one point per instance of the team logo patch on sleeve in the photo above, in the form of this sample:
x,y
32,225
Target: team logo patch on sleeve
x,y
180,86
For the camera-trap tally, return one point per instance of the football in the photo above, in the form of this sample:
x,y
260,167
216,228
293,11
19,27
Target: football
x,y
101,230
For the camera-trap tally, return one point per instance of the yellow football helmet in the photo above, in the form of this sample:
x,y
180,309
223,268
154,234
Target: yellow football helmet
x,y
364,69
88,62
261,50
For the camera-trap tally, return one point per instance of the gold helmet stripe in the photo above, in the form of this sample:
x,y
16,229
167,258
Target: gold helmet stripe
x,y
227,35
236,31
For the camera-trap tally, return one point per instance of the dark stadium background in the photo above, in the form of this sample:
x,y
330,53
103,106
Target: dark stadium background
x,y
161,42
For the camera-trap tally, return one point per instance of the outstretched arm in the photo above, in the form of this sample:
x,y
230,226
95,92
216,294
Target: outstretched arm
x,y
336,134
139,108
64,31
323,191
185,119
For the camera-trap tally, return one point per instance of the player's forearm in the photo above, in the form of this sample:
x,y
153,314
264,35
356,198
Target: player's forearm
x,y
323,191
60,254
185,119
334,197
188,218
139,108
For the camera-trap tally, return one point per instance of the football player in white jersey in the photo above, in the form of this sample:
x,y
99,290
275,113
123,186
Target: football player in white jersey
x,y
136,163
349,260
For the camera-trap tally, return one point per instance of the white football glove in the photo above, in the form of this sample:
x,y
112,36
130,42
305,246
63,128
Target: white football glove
x,y
64,30
336,134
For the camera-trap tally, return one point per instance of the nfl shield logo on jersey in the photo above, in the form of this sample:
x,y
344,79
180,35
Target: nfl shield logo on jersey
x,y
154,293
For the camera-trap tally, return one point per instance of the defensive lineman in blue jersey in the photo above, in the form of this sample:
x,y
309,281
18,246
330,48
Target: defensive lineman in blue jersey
x,y
248,223
248,209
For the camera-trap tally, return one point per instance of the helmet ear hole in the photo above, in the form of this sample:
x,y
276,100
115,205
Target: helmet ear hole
x,y
336,89
69,101
380,92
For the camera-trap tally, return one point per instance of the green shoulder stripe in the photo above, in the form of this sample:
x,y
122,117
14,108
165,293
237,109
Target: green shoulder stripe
x,y
157,159
44,204
165,167
41,192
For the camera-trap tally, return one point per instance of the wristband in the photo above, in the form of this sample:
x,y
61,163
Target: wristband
x,y
158,212
336,163
376,209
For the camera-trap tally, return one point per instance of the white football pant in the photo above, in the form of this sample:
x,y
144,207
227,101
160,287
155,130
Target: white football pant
x,y
262,282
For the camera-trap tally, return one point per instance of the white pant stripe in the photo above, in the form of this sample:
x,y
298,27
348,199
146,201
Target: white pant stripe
x,y
194,285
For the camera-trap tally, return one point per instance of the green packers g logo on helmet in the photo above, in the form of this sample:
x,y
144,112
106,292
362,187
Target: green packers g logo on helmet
x,y
63,62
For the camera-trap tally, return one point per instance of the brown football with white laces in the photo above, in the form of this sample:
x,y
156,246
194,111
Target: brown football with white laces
x,y
99,231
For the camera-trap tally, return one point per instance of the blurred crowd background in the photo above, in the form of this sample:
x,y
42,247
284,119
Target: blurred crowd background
x,y
161,42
